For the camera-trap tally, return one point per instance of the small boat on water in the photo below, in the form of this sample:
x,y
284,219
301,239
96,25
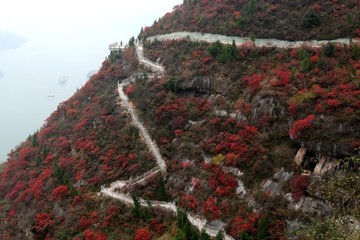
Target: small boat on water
x,y
63,80
51,96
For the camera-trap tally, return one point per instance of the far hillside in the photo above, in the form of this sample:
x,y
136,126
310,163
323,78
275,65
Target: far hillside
x,y
10,40
289,20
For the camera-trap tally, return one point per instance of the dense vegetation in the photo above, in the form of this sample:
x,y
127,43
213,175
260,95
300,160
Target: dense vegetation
x,y
49,186
225,118
290,20
252,111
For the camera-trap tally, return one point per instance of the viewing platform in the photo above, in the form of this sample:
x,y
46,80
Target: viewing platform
x,y
116,47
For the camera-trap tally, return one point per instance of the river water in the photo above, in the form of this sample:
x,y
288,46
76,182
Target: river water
x,y
32,72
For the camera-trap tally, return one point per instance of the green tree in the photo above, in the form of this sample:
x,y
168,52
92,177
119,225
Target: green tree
x,y
245,236
252,7
181,218
329,49
355,52
305,60
262,229
132,41
180,235
172,85
215,48
204,235
220,235
162,195
35,140
137,206
311,20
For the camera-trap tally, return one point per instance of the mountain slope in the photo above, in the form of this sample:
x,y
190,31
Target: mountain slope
x,y
261,142
288,20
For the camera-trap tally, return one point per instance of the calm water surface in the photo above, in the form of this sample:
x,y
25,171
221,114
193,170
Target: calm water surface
x,y
32,72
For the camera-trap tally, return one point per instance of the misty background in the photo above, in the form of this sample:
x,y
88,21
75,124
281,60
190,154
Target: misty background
x,y
57,41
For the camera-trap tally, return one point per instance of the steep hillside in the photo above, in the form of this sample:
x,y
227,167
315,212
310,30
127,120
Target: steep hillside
x,y
50,183
288,20
243,142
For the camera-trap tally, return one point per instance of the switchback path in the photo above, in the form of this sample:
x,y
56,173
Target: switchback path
x,y
143,131
115,188
258,42
154,66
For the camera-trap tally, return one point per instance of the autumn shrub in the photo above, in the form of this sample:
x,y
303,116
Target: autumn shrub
x,y
60,192
43,222
142,234
301,125
299,185
210,209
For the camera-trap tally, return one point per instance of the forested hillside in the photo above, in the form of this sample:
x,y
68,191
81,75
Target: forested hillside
x,y
258,142
285,19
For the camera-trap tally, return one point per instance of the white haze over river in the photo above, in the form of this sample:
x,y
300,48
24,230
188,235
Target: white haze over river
x,y
68,39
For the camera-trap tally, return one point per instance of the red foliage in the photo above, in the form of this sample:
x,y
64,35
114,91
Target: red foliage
x,y
236,14
316,7
130,89
25,153
333,103
142,234
206,59
300,125
90,234
157,226
210,210
254,81
178,132
277,232
66,162
88,220
240,147
292,108
245,222
358,32
299,185
314,58
59,192
190,201
283,77
20,186
42,223
222,183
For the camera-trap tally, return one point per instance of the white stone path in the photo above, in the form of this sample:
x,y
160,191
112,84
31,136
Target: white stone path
x,y
257,42
114,190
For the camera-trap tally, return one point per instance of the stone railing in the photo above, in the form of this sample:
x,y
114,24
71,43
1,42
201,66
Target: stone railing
x,y
154,66
257,42
111,191
143,131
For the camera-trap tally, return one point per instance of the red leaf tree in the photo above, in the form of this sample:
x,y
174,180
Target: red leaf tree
x,y
142,234
300,125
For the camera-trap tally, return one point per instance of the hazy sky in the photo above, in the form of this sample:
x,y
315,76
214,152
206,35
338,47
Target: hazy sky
x,y
70,16
64,38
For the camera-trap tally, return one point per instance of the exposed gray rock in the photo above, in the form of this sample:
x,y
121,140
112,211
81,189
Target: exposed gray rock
x,y
311,206
326,164
299,157
273,188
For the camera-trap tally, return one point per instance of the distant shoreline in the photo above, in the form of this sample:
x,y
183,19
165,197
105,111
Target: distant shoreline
x,y
10,41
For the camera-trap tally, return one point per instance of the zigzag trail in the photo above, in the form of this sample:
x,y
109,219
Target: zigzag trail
x,y
115,188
